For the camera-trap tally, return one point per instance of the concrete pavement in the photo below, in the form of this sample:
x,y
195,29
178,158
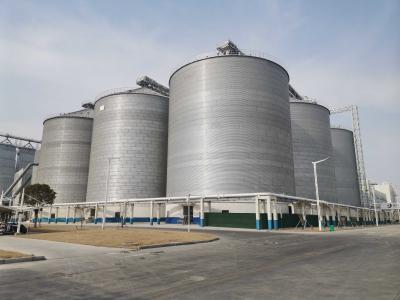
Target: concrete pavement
x,y
357,264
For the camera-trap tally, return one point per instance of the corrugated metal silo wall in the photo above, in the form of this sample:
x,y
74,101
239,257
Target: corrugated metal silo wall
x,y
7,163
132,127
229,128
64,157
35,168
347,186
7,166
312,141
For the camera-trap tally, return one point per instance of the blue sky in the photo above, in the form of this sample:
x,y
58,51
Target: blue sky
x,y
54,55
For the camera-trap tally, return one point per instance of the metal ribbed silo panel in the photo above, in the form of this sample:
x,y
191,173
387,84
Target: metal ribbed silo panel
x,y
229,128
7,166
35,168
311,136
7,163
131,129
347,186
64,157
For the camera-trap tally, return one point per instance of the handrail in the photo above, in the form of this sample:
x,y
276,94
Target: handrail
x,y
114,91
20,138
246,52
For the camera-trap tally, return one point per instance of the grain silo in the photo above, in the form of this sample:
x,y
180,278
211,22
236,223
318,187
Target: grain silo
x,y
312,142
347,186
35,168
12,159
129,145
64,155
229,126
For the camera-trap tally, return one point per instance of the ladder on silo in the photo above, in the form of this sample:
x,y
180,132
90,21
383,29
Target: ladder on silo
x,y
362,177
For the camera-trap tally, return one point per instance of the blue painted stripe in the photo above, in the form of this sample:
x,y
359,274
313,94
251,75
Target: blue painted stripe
x,y
276,224
258,224
270,225
173,220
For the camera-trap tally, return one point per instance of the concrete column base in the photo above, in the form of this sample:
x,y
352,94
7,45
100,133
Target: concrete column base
x,y
276,224
270,225
258,224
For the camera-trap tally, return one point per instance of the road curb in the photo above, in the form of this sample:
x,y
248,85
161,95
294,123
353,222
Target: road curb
x,y
176,244
21,259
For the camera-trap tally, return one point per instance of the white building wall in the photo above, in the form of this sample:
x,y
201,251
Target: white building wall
x,y
388,190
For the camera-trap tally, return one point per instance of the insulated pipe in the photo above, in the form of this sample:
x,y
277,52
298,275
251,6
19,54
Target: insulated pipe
x,y
269,213
188,212
50,211
104,216
333,216
132,212
348,216
197,199
158,213
258,224
124,214
358,216
66,219
151,212
201,212
303,211
55,221
95,213
275,214
327,215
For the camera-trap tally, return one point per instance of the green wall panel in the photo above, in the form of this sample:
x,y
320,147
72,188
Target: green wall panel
x,y
236,220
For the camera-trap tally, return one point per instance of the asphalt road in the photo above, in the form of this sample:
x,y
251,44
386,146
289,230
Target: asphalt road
x,y
357,264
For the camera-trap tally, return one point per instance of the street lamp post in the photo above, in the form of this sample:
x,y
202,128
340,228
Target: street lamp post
x,y
316,190
107,183
374,199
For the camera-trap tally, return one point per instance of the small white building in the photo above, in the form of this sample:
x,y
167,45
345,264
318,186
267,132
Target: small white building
x,y
388,190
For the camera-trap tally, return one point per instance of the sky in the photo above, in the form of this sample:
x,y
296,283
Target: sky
x,y
55,55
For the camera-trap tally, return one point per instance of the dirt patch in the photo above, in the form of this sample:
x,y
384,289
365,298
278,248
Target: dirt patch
x,y
131,238
11,254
